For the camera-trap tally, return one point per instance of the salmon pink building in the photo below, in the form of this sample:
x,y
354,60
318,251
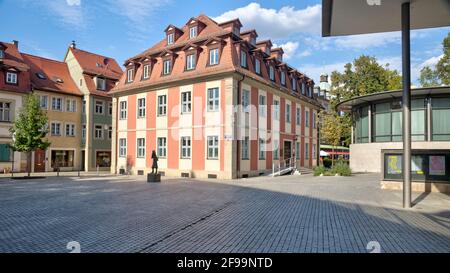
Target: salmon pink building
x,y
213,102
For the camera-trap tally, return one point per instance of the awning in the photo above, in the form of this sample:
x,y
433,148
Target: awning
x,y
348,17
323,153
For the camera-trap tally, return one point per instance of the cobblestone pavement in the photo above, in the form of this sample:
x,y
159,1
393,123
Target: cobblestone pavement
x,y
285,214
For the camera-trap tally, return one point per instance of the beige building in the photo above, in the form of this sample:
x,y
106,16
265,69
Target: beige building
x,y
62,100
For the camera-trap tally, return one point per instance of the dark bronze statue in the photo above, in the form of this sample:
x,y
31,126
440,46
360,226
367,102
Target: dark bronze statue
x,y
155,162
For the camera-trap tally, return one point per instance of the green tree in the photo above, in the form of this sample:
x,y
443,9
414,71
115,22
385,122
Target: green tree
x,y
361,77
428,77
441,75
443,65
332,129
30,129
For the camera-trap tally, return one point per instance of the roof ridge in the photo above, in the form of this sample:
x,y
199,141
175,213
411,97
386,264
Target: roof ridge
x,y
45,58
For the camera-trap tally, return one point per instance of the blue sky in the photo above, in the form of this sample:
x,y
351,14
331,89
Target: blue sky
x,y
123,28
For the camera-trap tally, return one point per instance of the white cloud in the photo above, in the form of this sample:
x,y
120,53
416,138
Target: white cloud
x,y
70,14
289,48
305,53
276,24
73,2
367,40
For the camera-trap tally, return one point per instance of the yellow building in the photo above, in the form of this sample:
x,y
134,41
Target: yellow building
x,y
62,100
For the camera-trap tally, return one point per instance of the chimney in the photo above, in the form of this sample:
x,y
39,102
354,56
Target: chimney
x,y
324,78
16,43
73,44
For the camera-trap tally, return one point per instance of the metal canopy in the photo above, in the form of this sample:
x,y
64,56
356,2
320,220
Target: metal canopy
x,y
348,17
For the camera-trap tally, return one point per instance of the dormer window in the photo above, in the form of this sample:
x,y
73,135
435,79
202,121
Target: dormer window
x,y
236,31
146,72
303,88
167,67
271,73
213,56
257,66
267,51
170,38
192,32
2,53
283,78
243,59
101,84
294,84
11,77
130,75
253,40
190,61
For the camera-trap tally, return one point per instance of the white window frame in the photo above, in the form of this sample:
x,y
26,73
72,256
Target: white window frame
x,y
167,66
314,151
11,77
288,113
193,32
214,56
261,149
185,147
53,127
146,72
101,83
122,147
294,83
123,110
130,74
102,112
83,107
161,147
140,147
83,131
271,73
246,101
186,102
276,110
299,116
72,129
307,118
314,120
141,107
276,149
307,150
190,61
244,59
96,131
110,106
109,132
262,105
213,99
45,104
55,104
213,147
71,105
5,111
257,66
170,38
283,78
162,105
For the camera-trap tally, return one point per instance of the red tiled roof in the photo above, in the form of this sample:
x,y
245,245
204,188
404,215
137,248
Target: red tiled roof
x,y
53,71
211,29
97,64
12,57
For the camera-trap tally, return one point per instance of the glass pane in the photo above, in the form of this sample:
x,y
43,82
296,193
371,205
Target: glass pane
x,y
418,104
437,165
418,122
397,123
440,103
441,121
382,124
382,107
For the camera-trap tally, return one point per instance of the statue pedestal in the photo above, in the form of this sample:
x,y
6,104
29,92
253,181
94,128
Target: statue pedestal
x,y
152,177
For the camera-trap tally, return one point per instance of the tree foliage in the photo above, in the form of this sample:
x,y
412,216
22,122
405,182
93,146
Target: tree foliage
x,y
361,77
30,128
440,75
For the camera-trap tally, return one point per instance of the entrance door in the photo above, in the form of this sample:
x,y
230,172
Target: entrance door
x,y
39,161
287,150
82,160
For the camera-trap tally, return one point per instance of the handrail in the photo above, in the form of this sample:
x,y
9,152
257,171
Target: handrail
x,y
284,164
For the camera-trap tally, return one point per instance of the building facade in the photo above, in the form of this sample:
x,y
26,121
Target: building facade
x,y
14,83
95,75
212,102
377,136
61,99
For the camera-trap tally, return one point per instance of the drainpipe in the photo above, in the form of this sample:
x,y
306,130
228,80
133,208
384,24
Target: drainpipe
x,y
238,145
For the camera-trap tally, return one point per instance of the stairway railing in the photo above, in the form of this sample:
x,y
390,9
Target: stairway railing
x,y
284,164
